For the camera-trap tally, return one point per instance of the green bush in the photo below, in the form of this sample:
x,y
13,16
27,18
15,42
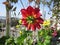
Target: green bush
x,y
3,40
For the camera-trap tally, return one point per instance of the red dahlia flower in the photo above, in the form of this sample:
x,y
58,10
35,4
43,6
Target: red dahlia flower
x,y
31,18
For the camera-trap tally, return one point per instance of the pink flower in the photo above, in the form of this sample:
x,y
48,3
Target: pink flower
x,y
54,33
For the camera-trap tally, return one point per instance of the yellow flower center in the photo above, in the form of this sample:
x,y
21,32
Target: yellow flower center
x,y
30,19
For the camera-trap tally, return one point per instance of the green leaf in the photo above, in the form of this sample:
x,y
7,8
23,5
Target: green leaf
x,y
9,41
20,39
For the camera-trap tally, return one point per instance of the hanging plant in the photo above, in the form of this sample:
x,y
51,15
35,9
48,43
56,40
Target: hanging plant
x,y
37,1
30,0
6,3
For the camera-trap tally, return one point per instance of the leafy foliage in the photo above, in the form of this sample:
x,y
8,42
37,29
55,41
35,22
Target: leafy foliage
x,y
3,40
44,37
19,40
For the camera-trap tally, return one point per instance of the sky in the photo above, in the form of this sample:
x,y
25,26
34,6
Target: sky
x,y
19,7
2,8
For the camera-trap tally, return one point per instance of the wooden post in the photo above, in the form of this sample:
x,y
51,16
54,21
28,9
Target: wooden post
x,y
7,21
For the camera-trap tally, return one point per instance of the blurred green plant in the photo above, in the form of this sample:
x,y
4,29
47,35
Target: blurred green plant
x,y
19,40
3,40
44,37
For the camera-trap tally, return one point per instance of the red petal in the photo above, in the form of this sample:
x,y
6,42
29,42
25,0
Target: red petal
x,y
30,10
39,20
37,10
24,13
33,27
24,21
29,27
37,15
37,25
